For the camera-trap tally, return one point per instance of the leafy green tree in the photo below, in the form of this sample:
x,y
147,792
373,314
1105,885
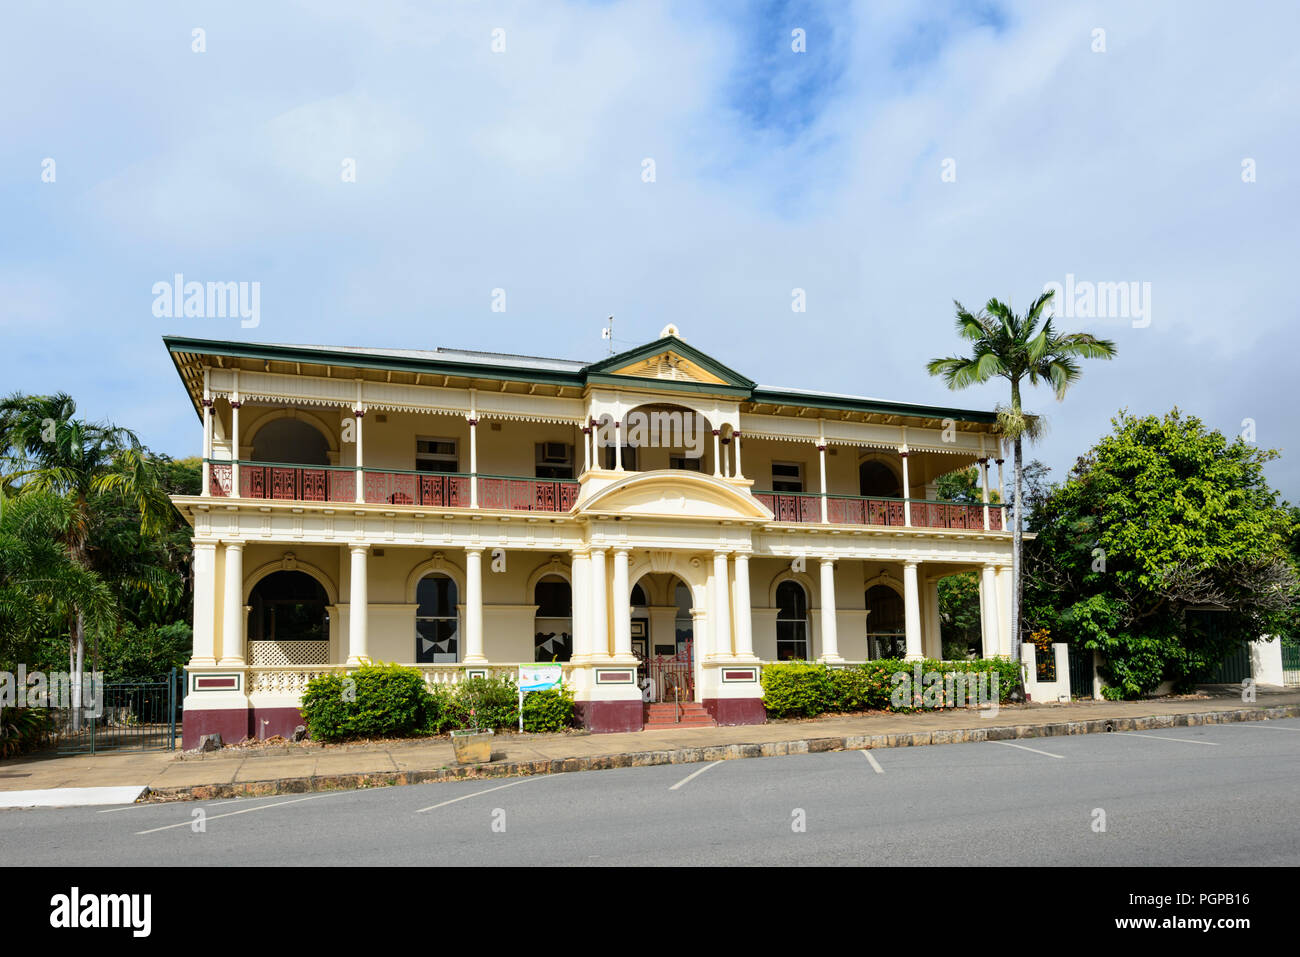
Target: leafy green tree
x,y
1020,350
48,450
40,584
1160,519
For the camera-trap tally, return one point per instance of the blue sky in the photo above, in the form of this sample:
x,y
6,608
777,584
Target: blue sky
x,y
775,170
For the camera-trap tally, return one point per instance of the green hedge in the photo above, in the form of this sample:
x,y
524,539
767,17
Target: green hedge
x,y
23,729
374,701
389,701
801,689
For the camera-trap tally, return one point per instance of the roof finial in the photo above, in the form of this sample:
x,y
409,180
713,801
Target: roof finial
x,y
670,330
608,333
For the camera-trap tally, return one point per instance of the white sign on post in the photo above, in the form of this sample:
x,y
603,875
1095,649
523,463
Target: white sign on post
x,y
537,678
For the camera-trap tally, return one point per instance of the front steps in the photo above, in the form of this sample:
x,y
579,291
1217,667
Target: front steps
x,y
663,717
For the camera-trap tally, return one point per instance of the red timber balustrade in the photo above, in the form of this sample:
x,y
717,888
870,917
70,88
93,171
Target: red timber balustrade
x,y
311,483
893,512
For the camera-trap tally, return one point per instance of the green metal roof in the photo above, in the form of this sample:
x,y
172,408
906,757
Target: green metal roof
x,y
568,373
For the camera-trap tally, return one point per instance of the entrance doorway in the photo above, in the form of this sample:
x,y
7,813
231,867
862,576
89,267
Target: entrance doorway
x,y
663,639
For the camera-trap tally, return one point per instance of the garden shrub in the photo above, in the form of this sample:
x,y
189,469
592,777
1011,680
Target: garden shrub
x,y
797,689
485,703
23,729
548,711
374,701
803,689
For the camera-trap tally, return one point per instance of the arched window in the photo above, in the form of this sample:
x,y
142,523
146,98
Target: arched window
x,y
288,606
553,634
877,480
638,597
436,624
791,622
886,632
290,442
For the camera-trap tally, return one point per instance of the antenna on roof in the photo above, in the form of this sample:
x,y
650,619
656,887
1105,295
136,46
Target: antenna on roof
x,y
608,333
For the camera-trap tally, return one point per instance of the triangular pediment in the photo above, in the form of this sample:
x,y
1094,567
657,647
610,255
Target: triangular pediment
x,y
669,359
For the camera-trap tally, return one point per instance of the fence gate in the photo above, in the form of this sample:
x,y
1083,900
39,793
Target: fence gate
x,y
1080,672
1290,664
129,716
1234,669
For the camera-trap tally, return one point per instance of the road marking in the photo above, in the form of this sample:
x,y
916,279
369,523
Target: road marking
x,y
1161,737
136,807
874,763
466,797
247,810
1265,727
694,774
1048,754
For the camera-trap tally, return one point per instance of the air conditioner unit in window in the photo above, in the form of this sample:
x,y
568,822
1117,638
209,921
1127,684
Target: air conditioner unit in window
x,y
556,453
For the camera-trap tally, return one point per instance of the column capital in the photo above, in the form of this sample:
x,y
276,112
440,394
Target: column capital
x,y
475,549
722,553
357,547
621,548
903,453
233,543
471,420
911,563
235,403
359,413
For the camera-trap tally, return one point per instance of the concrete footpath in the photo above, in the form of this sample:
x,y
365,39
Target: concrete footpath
x,y
297,768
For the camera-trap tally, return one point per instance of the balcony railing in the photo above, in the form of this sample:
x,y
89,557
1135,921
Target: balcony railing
x,y
858,510
337,483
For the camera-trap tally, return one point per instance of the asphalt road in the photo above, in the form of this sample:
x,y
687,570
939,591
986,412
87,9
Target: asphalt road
x,y
1215,795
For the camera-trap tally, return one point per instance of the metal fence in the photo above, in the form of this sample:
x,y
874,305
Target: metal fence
x,y
1290,664
1081,667
129,716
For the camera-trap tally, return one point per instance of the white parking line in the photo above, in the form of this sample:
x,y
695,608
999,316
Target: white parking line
x,y
247,810
1264,727
136,807
1048,754
466,797
1161,737
874,763
694,774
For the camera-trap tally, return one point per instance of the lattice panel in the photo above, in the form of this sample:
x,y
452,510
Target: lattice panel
x,y
274,654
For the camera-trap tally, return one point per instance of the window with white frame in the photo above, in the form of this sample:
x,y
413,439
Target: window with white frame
x,y
436,455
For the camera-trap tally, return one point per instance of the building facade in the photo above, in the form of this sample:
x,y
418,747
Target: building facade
x,y
655,522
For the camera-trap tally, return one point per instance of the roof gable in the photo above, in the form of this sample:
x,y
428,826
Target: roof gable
x,y
670,359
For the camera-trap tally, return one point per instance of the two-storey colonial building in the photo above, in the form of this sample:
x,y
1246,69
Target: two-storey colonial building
x,y
655,521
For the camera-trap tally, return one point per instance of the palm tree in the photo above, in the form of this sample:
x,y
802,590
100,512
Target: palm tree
x,y
53,451
1017,349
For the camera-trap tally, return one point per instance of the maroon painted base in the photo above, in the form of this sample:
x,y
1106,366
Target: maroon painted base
x,y
606,717
236,724
728,711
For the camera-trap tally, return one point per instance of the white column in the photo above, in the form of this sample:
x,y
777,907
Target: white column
x,y
586,449
580,572
721,607
717,461
622,606
234,449
821,456
988,613
232,606
912,610
984,472
205,603
830,629
474,607
726,458
618,446
473,462
744,616
359,606
1002,494
599,610
359,416
736,435
1003,579
207,435
907,490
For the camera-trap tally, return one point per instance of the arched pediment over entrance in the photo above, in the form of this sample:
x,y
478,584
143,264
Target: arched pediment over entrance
x,y
674,493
